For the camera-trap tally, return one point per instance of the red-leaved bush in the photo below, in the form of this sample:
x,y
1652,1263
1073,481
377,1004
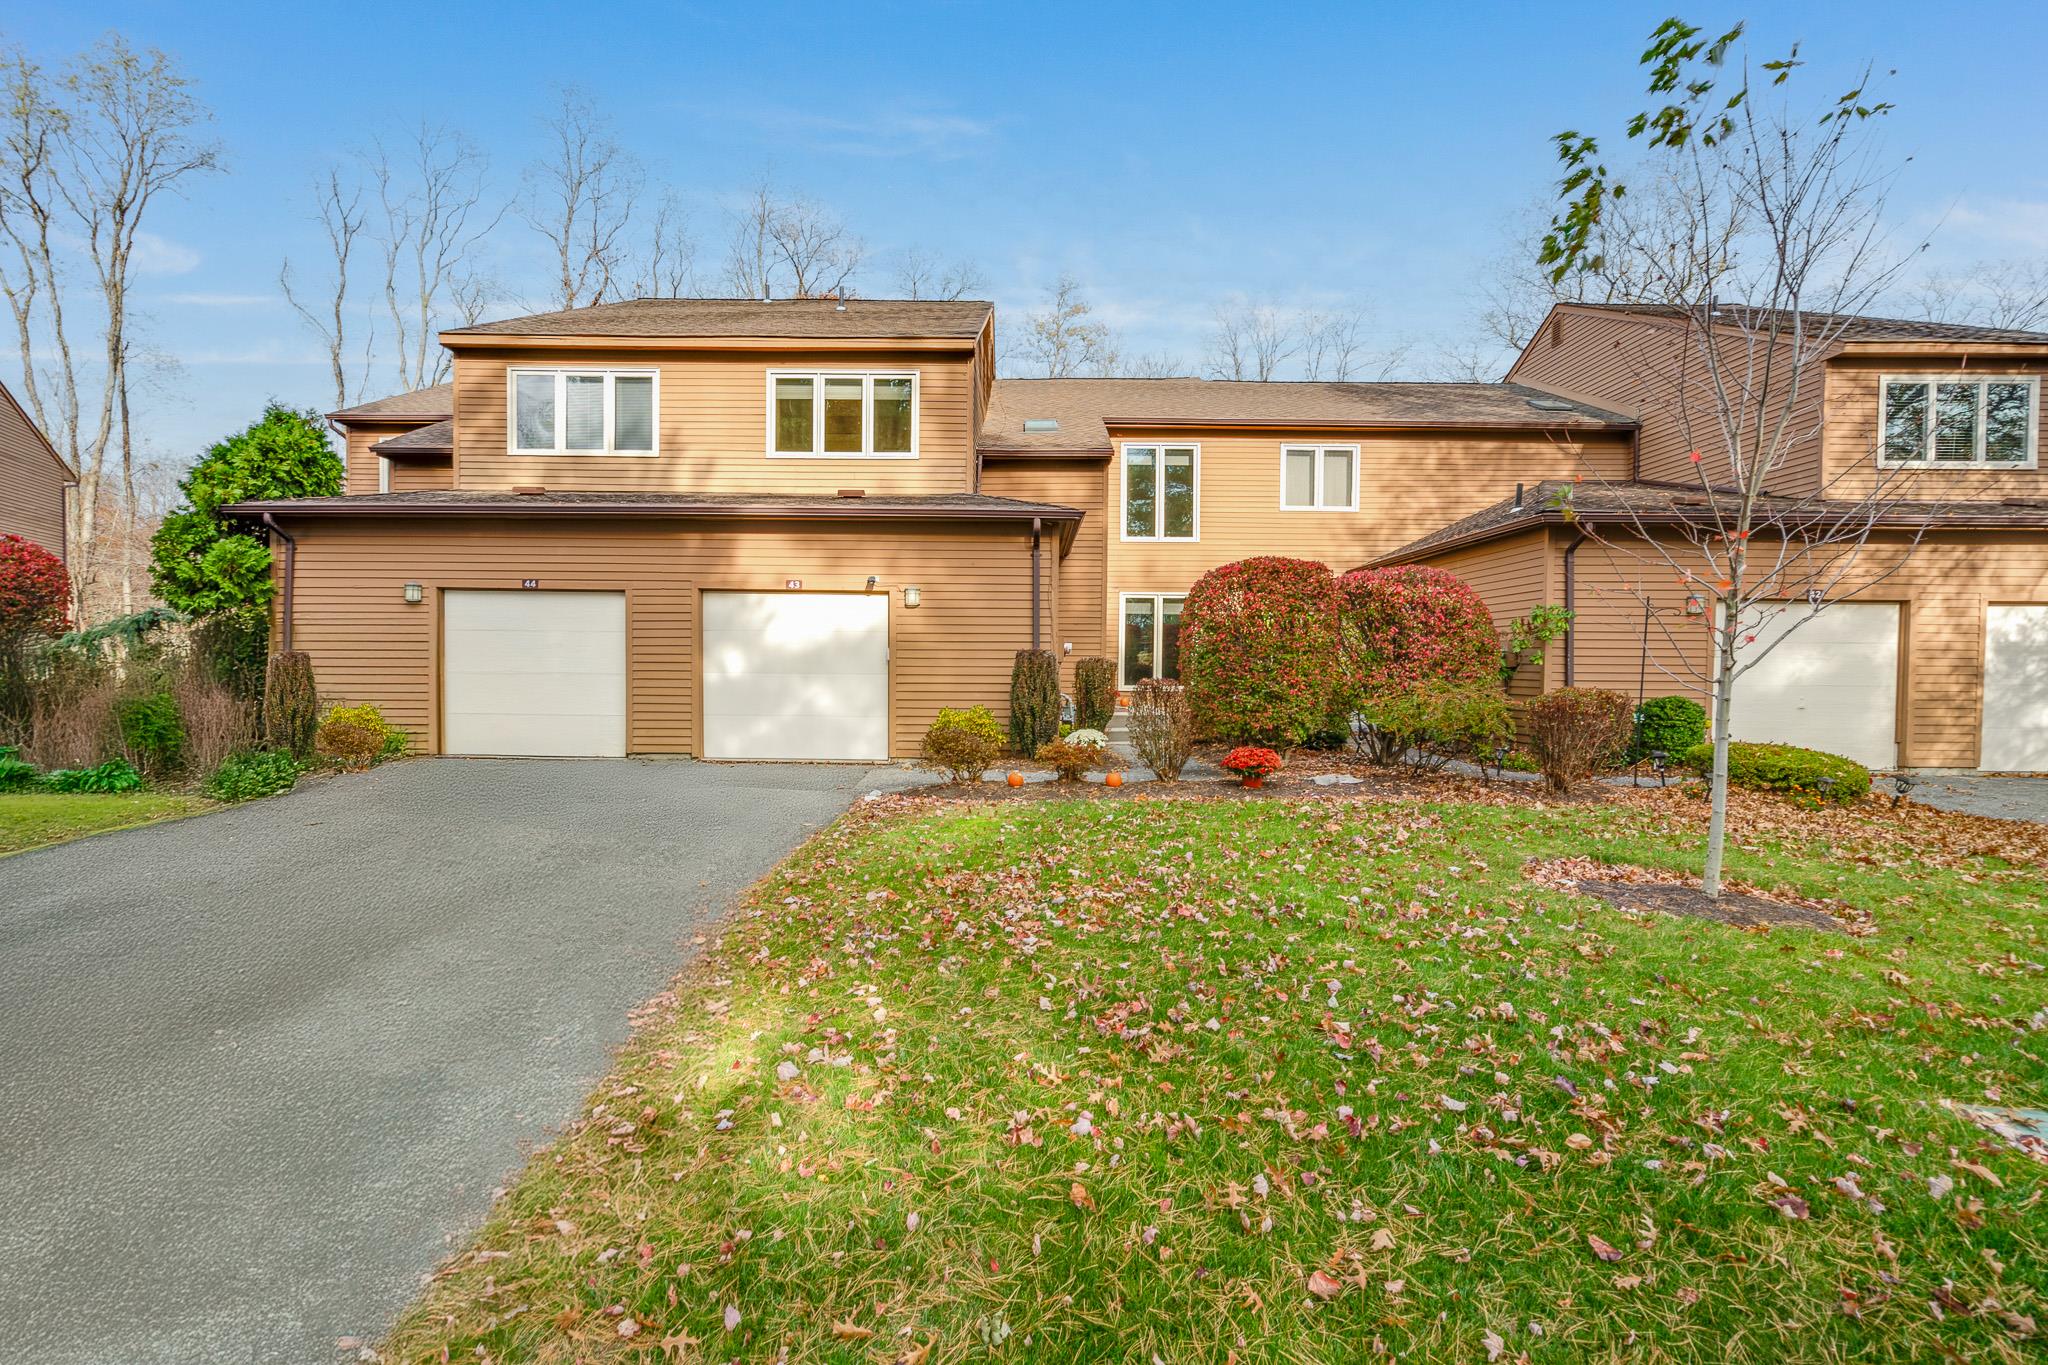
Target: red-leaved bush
x,y
1412,624
34,590
1259,650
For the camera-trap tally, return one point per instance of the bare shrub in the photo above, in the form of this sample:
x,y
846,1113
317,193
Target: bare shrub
x,y
1577,731
219,721
1162,727
75,721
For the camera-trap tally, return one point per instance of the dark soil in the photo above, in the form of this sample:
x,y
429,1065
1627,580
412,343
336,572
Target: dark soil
x,y
1734,907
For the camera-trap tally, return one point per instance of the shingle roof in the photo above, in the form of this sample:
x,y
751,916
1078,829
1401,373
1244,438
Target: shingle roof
x,y
1853,327
1560,502
436,438
437,400
816,319
1086,408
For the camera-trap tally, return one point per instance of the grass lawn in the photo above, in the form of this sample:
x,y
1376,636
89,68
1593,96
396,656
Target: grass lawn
x,y
30,820
1304,1081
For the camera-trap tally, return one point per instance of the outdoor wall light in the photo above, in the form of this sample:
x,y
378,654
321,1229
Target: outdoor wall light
x,y
415,594
872,580
911,597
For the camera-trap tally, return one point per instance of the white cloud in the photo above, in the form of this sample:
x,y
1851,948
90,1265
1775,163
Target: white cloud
x,y
2009,223
156,255
885,133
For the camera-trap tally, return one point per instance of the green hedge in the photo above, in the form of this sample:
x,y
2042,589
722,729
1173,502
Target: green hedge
x,y
1787,768
1673,724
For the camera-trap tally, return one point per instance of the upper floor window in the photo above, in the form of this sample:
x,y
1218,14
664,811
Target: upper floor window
x,y
1960,421
840,413
1319,478
1160,497
583,412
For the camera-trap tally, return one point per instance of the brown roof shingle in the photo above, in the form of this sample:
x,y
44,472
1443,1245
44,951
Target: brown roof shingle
x,y
436,400
798,319
1853,327
498,502
1085,409
436,438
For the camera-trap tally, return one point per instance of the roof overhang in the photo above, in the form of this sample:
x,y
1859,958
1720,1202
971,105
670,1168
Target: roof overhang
x,y
1972,350
1037,453
1355,424
459,340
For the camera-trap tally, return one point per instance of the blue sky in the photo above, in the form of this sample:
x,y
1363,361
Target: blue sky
x,y
1168,156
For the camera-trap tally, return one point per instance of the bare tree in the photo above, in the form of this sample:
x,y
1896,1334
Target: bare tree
x,y
2010,293
337,207
667,265
1804,198
921,275
1250,340
581,196
433,219
790,247
1061,340
86,156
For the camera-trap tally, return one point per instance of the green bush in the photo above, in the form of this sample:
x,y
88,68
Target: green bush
x,y
1673,724
1787,768
962,743
1438,721
1094,693
246,776
15,774
357,736
291,704
1034,700
152,730
115,775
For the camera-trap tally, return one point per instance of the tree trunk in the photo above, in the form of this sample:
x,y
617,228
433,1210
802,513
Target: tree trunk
x,y
1717,822
127,500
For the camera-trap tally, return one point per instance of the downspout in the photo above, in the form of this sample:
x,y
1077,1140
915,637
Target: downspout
x,y
291,550
1571,606
1037,626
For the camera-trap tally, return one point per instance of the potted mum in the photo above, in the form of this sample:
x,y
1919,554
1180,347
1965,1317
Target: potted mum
x,y
1252,764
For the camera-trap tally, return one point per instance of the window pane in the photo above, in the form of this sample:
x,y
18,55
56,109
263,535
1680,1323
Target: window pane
x,y
583,412
793,414
1298,479
892,416
633,412
2005,422
1169,638
536,411
1177,495
1905,421
1141,484
1336,478
1138,613
1955,421
842,413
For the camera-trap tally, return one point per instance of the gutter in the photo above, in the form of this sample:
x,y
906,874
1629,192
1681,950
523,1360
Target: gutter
x,y
1037,560
291,553
1571,552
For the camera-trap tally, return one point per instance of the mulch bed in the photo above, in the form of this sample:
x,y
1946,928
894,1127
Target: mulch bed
x,y
1734,907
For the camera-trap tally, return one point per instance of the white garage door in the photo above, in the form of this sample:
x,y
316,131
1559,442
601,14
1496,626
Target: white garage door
x,y
533,673
1833,685
796,675
2015,690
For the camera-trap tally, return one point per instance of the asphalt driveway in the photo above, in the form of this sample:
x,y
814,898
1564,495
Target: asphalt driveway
x,y
260,1069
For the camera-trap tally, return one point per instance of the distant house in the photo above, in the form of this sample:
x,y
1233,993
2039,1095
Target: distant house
x,y
33,479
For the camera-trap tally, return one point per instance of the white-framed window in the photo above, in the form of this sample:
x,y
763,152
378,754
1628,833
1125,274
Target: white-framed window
x,y
1162,497
1148,636
1959,421
583,411
1318,478
842,414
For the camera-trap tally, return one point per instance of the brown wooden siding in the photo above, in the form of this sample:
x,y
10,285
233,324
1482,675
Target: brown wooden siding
x,y
31,482
1513,576
1410,483
1943,587
1650,369
713,425
955,649
1082,616
1853,430
418,475
360,462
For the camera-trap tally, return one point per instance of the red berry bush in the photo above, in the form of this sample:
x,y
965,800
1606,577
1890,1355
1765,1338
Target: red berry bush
x,y
1260,642
1413,624
34,590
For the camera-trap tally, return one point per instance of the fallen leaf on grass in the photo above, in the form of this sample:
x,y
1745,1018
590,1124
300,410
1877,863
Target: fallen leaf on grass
x,y
732,1317
847,1331
1079,1194
1791,1205
1491,1340
1322,1286
1602,1249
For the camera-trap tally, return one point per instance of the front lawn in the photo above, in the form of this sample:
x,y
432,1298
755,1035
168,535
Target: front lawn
x,y
32,819
1304,1081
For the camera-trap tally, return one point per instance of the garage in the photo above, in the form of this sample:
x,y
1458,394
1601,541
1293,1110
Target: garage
x,y
796,675
1833,685
533,673
2015,689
